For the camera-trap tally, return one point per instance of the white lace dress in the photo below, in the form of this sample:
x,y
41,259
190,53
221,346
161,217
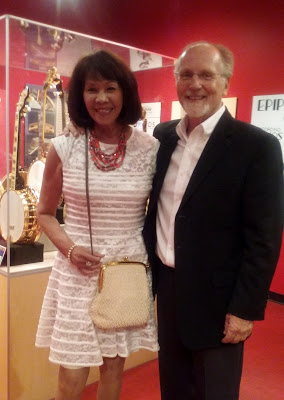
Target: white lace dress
x,y
118,199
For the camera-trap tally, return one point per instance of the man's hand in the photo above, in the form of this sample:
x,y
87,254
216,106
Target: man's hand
x,y
73,129
236,329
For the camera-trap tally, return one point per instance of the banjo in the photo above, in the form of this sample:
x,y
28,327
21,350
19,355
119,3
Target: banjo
x,y
19,200
36,169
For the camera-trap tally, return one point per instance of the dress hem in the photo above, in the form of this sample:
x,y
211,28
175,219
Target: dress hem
x,y
103,356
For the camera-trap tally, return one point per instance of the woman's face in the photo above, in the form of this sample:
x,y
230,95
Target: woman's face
x,y
103,100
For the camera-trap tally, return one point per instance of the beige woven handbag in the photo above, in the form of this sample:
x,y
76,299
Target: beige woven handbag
x,y
123,298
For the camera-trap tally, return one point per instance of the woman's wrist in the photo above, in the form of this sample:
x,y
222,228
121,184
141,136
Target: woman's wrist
x,y
69,253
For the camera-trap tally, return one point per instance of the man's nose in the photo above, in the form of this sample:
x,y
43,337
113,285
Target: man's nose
x,y
195,81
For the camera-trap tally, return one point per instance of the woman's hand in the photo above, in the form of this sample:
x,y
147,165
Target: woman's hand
x,y
86,262
72,128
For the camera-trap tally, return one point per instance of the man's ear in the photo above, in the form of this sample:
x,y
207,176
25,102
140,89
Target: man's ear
x,y
226,87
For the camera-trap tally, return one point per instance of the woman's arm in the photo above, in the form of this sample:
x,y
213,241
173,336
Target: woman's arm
x,y
51,191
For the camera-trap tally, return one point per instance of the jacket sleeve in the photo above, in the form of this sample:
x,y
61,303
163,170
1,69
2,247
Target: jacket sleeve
x,y
262,226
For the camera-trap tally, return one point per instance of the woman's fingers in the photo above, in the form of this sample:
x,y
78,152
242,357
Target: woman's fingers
x,y
86,262
73,129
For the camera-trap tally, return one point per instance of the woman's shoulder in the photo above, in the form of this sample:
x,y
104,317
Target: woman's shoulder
x,y
142,149
62,138
143,138
64,144
66,141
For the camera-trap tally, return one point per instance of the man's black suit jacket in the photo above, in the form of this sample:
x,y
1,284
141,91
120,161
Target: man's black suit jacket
x,y
228,228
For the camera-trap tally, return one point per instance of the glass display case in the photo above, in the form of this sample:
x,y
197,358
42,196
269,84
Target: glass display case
x,y
36,62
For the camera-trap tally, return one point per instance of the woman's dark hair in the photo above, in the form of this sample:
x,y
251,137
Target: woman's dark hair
x,y
103,64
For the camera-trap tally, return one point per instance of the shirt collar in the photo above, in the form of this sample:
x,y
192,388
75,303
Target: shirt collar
x,y
207,126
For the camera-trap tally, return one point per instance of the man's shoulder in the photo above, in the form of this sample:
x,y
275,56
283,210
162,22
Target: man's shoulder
x,y
254,132
247,131
165,128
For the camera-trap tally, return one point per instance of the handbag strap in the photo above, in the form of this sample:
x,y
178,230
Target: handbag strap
x,y
87,189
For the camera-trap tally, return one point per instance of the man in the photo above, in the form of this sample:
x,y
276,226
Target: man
x,y
213,231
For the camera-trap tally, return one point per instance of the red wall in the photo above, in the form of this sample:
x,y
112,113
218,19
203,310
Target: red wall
x,y
158,85
254,30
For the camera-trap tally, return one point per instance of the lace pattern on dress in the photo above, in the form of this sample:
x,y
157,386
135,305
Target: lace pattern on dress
x,y
118,201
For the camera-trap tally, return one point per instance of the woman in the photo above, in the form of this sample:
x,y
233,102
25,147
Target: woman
x,y
103,99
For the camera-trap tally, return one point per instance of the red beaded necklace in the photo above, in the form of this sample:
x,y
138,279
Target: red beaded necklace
x,y
107,162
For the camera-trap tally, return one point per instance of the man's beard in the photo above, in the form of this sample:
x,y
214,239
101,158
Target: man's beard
x,y
195,110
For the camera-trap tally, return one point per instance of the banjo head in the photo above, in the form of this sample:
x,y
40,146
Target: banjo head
x,y
22,216
35,175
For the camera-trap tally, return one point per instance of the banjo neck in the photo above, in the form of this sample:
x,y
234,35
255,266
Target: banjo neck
x,y
60,120
16,180
50,80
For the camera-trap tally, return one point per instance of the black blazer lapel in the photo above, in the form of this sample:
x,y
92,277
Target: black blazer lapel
x,y
216,146
167,146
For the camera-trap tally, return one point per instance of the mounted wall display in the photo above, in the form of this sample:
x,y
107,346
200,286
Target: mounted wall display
x,y
140,60
231,104
268,114
177,110
153,115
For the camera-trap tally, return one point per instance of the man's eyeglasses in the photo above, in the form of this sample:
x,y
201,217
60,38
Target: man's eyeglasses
x,y
203,77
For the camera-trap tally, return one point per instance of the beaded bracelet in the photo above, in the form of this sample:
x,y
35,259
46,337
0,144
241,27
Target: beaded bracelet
x,y
70,252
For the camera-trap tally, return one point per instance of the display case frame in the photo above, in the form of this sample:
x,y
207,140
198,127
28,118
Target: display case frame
x,y
23,367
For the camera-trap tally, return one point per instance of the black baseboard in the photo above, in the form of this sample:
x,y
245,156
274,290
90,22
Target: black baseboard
x,y
279,298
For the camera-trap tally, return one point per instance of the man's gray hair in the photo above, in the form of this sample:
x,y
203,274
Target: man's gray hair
x,y
227,56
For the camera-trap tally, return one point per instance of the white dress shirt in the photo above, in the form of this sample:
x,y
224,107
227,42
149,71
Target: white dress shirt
x,y
182,164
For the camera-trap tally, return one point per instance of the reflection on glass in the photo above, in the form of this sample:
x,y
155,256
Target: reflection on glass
x,y
35,49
